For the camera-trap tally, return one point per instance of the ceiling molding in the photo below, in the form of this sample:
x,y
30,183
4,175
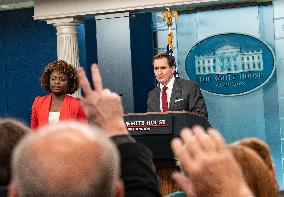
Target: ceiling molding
x,y
50,9
15,4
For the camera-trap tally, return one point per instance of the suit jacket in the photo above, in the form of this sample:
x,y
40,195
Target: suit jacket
x,y
137,169
186,96
70,110
3,191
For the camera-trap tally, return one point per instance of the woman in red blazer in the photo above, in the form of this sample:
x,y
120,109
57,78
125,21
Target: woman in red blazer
x,y
59,78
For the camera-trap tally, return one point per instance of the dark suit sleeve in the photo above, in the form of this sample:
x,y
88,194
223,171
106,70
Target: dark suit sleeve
x,y
3,191
196,101
138,171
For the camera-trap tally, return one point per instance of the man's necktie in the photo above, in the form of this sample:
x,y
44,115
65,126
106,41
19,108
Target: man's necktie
x,y
164,99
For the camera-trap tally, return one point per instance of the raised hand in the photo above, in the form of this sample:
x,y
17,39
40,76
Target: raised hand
x,y
208,165
102,105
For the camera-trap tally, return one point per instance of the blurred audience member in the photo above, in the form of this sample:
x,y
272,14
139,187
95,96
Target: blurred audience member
x,y
11,131
255,171
66,159
262,149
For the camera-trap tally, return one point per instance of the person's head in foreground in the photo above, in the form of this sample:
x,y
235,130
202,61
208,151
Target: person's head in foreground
x,y
262,149
67,159
11,131
255,171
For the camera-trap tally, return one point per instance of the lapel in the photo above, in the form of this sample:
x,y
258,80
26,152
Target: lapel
x,y
176,94
45,105
64,111
157,100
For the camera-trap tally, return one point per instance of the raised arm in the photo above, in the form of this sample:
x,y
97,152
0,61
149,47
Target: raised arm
x,y
209,167
104,107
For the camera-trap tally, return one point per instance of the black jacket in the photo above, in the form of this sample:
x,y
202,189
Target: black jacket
x,y
137,168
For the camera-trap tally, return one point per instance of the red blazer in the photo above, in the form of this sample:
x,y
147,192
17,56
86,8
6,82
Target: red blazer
x,y
70,110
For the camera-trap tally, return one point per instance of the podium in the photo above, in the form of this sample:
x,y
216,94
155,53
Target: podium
x,y
156,129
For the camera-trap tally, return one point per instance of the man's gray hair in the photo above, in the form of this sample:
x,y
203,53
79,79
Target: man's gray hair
x,y
94,173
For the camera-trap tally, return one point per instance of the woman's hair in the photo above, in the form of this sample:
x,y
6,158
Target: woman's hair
x,y
63,68
255,171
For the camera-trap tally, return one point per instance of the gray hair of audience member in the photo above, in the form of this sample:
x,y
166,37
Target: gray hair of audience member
x,y
11,131
66,159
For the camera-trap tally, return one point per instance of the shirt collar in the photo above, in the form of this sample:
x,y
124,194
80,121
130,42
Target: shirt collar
x,y
170,84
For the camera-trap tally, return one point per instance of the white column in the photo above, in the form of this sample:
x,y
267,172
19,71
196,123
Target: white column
x,y
67,41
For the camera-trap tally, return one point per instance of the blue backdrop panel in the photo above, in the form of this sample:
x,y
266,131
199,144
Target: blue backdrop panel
x,y
28,46
271,105
81,35
256,113
142,50
90,43
3,97
114,57
222,110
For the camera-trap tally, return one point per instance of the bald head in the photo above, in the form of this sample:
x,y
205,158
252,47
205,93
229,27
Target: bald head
x,y
68,159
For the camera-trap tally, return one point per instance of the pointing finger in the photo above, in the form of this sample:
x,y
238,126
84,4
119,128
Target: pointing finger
x,y
97,80
84,83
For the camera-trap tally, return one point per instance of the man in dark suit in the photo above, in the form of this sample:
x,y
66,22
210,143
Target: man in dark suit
x,y
181,94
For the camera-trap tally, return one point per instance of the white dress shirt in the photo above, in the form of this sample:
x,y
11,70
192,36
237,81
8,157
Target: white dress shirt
x,y
53,117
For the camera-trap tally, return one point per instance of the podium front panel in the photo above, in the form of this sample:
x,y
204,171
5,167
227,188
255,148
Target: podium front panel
x,y
157,130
